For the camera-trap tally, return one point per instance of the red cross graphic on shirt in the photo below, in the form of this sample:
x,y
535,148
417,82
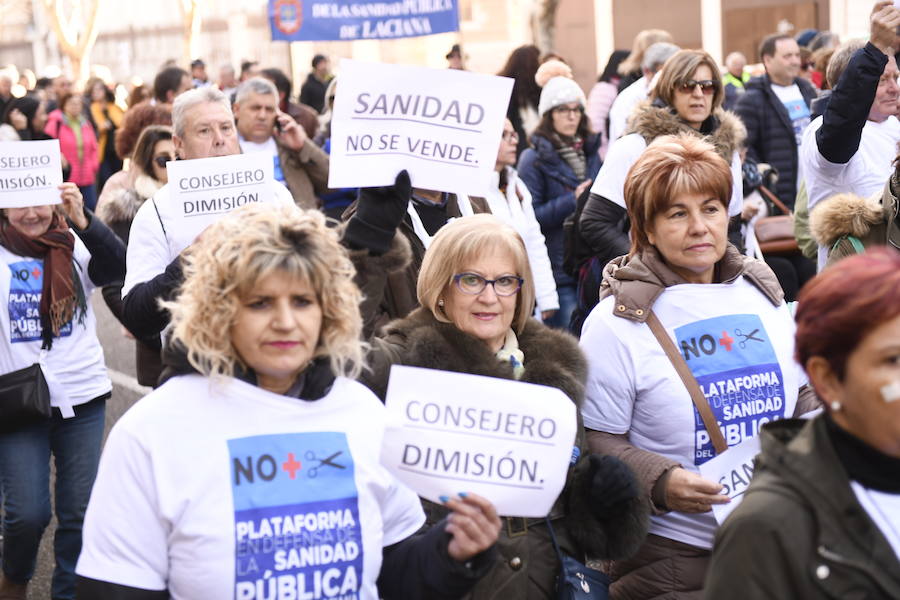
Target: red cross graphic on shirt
x,y
291,465
726,341
36,273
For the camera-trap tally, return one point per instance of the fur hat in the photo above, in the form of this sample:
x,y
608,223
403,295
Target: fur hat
x,y
559,91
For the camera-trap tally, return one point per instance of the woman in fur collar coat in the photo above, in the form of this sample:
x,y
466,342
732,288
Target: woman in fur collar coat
x,y
147,174
477,295
686,98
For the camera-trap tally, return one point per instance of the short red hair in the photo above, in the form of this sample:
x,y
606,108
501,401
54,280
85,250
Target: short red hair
x,y
841,305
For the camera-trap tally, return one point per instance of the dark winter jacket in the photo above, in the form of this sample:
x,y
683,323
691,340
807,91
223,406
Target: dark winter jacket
x,y
800,532
118,212
552,184
527,565
770,133
312,93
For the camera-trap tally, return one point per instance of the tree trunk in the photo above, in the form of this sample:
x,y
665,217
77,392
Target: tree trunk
x,y
544,24
191,21
76,36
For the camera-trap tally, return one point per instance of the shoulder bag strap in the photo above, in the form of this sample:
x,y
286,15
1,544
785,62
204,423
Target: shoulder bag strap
x,y
774,200
559,553
709,420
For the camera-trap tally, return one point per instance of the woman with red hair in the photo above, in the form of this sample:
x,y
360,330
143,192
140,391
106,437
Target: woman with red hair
x,y
822,516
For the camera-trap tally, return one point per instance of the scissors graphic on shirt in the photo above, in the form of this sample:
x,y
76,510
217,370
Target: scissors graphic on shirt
x,y
747,337
310,455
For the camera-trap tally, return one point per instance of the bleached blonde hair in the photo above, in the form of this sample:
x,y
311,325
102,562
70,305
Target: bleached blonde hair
x,y
245,246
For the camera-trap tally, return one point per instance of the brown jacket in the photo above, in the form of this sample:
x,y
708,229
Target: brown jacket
x,y
526,564
636,282
305,173
873,221
391,294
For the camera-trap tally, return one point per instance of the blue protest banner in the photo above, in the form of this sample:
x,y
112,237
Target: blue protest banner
x,y
312,20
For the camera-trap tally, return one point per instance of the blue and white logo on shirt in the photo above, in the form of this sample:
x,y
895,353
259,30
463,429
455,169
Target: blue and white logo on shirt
x,y
296,517
799,115
25,285
735,365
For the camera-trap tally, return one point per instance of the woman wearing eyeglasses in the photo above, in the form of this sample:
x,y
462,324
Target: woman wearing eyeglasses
x,y
477,295
560,165
687,98
152,151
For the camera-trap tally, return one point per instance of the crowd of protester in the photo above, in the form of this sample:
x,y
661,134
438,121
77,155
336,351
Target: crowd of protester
x,y
677,200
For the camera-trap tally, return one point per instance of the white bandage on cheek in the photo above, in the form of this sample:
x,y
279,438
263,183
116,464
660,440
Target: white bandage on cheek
x,y
891,392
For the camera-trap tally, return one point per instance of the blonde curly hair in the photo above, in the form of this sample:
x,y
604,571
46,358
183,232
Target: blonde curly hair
x,y
247,245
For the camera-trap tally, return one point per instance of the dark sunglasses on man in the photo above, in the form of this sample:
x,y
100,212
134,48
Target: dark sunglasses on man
x,y
707,86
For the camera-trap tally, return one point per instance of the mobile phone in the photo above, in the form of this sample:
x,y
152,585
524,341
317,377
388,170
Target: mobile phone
x,y
278,123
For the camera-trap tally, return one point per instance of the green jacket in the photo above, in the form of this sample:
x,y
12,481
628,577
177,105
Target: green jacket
x,y
800,532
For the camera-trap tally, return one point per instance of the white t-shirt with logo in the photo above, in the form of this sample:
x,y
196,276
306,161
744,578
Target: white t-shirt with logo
x,y
224,490
740,349
268,146
74,367
797,110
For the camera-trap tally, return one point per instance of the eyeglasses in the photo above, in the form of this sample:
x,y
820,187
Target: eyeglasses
x,y
161,160
707,86
510,136
472,283
569,110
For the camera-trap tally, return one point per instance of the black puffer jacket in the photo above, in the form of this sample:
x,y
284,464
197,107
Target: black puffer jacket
x,y
770,133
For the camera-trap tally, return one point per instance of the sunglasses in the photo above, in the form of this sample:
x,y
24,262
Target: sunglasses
x,y
707,86
161,160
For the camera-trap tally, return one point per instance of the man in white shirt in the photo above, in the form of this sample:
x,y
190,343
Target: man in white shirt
x,y
637,92
775,111
299,163
204,128
851,146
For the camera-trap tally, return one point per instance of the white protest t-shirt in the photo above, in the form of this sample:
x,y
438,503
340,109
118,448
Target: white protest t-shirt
x,y
267,146
225,490
864,174
154,240
610,181
884,510
75,361
795,105
738,346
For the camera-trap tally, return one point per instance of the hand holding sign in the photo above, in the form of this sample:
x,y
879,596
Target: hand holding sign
x,y
689,492
73,204
474,525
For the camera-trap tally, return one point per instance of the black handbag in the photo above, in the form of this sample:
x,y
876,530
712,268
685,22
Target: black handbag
x,y
577,581
24,398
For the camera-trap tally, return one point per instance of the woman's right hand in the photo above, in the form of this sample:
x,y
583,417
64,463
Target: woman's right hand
x,y
688,492
474,525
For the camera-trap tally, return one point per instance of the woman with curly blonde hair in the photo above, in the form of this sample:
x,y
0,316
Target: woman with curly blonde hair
x,y
253,470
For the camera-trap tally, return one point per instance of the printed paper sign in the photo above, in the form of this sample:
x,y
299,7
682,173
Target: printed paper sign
x,y
441,125
30,173
203,190
734,362
734,470
312,20
508,441
296,517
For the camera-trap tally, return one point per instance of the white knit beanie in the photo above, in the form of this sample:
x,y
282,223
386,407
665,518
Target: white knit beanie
x,y
559,91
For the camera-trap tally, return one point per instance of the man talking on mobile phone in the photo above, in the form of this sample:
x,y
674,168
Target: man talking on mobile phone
x,y
299,163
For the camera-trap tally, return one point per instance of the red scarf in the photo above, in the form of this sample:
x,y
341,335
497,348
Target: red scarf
x,y
61,294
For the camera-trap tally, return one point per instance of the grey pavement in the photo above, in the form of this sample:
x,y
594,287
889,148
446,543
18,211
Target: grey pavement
x,y
119,353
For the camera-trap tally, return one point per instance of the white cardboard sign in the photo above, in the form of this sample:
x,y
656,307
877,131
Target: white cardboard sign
x,y
30,173
508,441
202,190
734,470
442,125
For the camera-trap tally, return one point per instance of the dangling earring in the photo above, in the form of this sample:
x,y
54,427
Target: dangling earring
x,y
835,406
